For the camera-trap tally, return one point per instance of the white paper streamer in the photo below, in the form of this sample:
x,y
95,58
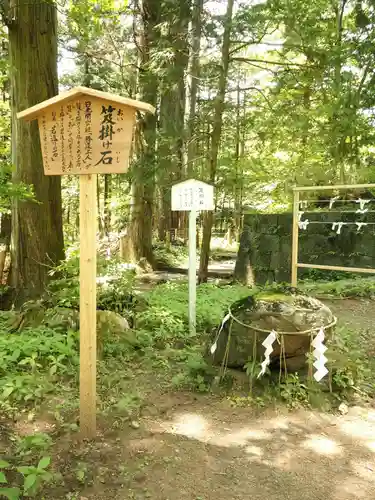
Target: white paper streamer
x,y
267,343
318,353
362,204
214,345
302,224
359,225
300,215
338,225
332,201
361,211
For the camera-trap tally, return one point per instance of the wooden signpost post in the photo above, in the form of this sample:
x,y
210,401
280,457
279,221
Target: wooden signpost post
x,y
192,196
86,132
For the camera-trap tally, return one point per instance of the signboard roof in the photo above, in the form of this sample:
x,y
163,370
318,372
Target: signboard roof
x,y
37,110
85,131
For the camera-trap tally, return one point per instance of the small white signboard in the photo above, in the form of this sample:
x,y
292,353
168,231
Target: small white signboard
x,y
192,195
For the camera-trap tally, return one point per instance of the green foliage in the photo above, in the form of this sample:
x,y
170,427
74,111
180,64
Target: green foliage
x,y
115,283
167,311
34,477
31,360
359,287
293,391
350,362
171,256
33,444
195,373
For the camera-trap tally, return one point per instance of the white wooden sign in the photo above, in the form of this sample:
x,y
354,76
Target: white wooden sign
x,y
192,195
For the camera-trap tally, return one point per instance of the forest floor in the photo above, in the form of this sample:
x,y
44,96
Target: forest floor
x,y
203,447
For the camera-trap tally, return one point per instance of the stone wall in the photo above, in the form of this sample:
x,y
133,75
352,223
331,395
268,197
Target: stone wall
x,y
268,240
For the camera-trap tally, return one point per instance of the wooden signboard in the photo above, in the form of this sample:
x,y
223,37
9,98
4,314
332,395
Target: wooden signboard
x,y
86,132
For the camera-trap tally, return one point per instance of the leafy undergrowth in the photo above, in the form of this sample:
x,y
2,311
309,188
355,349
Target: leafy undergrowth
x,y
344,288
115,282
173,255
39,369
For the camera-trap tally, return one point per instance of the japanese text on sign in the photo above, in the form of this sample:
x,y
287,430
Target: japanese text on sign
x,y
87,135
192,195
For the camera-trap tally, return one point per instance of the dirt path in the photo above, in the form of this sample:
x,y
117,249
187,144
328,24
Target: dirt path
x,y
190,448
204,450
198,447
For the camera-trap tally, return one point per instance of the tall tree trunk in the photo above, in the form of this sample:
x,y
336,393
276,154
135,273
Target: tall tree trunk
x,y
339,139
5,234
215,138
192,86
143,179
239,170
172,110
167,158
37,236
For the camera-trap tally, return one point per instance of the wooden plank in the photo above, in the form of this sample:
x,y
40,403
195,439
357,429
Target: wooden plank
x,y
295,238
87,212
337,268
86,135
338,187
38,109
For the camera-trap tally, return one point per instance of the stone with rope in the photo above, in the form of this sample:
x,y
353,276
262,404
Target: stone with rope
x,y
294,317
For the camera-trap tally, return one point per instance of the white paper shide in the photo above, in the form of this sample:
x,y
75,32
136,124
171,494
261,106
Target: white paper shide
x,y
267,343
320,359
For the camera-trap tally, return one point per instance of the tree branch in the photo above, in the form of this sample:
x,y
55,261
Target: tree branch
x,y
277,63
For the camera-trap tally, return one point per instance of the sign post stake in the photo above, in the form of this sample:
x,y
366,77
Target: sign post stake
x,y
87,225
86,132
192,196
192,270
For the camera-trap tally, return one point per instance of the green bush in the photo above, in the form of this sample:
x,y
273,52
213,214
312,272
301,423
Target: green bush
x,y
172,256
115,282
30,362
352,368
166,315
360,287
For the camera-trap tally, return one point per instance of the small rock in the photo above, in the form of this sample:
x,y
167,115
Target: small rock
x,y
343,409
134,424
140,477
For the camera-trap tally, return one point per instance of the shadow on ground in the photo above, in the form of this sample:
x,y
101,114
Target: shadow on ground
x,y
206,453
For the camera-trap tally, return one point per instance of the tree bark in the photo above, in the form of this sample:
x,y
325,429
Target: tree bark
x,y
5,234
243,271
339,139
143,175
215,139
192,86
239,170
172,111
37,235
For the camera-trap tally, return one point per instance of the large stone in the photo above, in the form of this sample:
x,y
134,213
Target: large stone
x,y
110,326
256,316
